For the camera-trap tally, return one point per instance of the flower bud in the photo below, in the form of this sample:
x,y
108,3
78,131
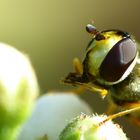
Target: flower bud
x,y
91,128
18,89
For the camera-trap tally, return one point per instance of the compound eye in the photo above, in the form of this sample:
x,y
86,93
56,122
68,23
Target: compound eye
x,y
117,61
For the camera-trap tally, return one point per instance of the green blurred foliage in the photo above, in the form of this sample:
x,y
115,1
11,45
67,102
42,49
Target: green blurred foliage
x,y
53,32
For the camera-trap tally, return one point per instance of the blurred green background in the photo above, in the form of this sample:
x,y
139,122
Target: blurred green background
x,y
52,33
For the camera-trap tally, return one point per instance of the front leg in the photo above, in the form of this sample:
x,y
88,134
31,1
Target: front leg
x,y
132,108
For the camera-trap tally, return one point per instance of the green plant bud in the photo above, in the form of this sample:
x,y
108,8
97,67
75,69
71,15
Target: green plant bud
x,y
18,90
91,128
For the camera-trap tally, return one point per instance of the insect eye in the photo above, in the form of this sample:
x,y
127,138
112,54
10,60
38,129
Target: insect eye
x,y
117,61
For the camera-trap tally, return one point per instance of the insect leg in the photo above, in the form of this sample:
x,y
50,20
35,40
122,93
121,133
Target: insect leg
x,y
95,89
122,113
78,67
89,86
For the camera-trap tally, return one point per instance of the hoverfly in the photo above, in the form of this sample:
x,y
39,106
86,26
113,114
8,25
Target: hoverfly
x,y
111,67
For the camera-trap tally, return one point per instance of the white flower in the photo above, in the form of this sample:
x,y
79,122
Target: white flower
x,y
52,112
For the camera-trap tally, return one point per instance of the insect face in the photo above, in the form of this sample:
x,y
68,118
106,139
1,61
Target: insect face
x,y
110,57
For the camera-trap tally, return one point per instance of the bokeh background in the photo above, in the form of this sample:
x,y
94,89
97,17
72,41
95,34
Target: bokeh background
x,y
52,33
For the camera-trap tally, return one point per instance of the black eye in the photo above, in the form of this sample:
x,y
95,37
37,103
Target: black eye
x,y
118,60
